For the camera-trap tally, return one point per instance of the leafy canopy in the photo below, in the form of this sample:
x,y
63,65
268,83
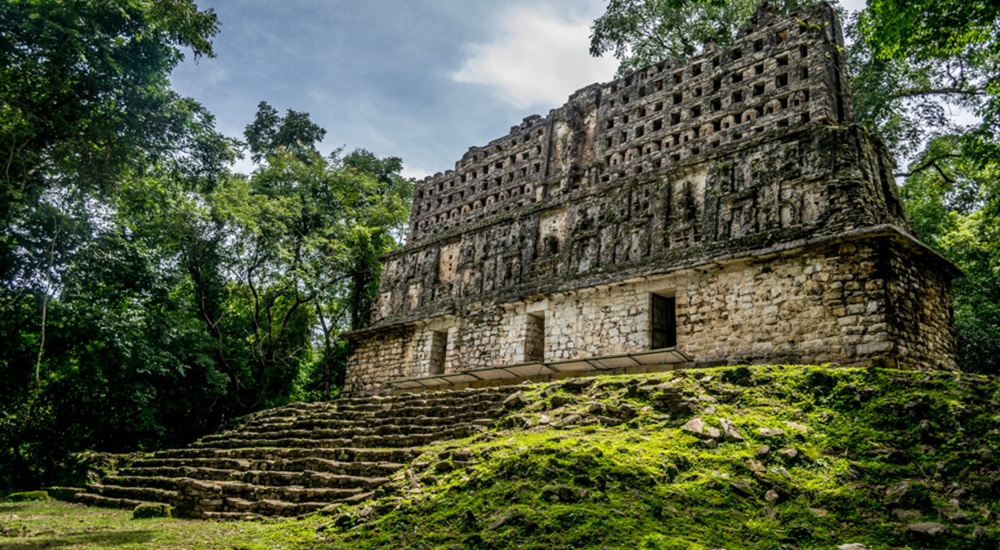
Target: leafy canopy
x,y
945,51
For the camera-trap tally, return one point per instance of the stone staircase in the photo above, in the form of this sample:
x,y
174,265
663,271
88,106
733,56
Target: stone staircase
x,y
299,458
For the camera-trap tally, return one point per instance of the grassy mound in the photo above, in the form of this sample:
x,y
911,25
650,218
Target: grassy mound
x,y
759,457
736,457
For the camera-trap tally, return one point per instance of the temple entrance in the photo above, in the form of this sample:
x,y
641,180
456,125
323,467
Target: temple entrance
x,y
534,337
662,321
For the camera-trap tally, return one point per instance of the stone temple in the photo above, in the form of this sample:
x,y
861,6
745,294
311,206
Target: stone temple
x,y
722,209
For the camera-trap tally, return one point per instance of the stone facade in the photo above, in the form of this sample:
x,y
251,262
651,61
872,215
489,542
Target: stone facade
x,y
733,184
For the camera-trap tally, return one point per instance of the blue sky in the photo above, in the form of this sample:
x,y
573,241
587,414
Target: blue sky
x,y
421,80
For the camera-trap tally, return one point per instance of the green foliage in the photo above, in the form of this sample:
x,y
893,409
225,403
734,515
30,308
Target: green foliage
x,y
270,134
84,90
646,483
954,202
147,294
642,32
55,524
29,495
935,52
151,510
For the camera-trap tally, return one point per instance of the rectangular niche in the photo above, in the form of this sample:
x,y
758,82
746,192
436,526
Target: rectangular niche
x,y
448,261
662,321
551,231
534,337
439,351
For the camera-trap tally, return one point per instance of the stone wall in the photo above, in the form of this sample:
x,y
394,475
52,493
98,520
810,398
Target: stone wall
x,y
780,73
871,299
921,306
790,185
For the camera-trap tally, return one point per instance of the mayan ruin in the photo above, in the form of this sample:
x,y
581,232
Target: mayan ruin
x,y
725,207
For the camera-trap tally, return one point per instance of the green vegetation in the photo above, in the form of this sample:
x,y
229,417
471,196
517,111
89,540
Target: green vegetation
x,y
853,456
642,32
862,454
147,293
54,524
151,510
29,495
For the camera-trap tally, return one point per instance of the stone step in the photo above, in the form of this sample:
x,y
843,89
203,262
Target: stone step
x,y
342,454
305,479
364,423
467,393
342,433
178,467
431,411
235,509
296,459
93,499
142,494
255,493
370,441
443,401
447,398
321,433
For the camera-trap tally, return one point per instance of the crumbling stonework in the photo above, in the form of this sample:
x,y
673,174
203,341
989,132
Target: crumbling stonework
x,y
734,184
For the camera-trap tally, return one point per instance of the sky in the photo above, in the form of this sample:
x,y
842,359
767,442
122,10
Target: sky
x,y
420,80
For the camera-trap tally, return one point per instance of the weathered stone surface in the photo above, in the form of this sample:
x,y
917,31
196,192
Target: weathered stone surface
x,y
896,493
299,458
697,427
730,431
742,488
928,529
735,183
514,400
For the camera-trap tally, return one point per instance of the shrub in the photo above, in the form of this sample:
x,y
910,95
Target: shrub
x,y
150,510
29,495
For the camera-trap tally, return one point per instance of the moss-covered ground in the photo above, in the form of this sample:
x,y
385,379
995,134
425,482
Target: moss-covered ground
x,y
57,524
732,457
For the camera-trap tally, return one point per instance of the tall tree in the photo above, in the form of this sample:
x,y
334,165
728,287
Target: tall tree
x,y
90,318
84,90
270,133
953,202
938,52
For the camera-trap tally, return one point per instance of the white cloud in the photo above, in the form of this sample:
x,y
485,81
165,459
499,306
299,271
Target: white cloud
x,y
539,58
414,172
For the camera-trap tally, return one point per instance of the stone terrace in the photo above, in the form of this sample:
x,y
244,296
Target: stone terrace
x,y
299,458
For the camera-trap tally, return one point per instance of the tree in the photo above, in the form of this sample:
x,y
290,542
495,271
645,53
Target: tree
x,y
147,294
270,133
93,332
953,202
84,90
936,54
945,51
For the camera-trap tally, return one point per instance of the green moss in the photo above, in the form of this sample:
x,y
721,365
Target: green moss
x,y
28,495
151,510
626,474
